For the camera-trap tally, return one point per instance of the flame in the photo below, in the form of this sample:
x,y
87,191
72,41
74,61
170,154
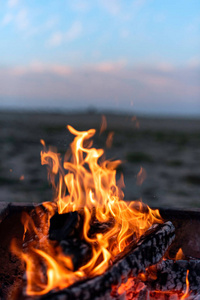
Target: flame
x,y
179,254
87,183
103,124
109,140
186,294
132,287
141,176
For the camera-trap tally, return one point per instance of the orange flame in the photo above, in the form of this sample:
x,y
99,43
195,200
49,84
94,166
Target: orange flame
x,y
86,183
141,176
109,140
179,254
103,124
133,286
186,294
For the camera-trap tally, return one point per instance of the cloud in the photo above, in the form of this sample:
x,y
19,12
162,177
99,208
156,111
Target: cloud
x,y
112,6
58,38
124,33
74,31
165,67
80,5
40,68
22,20
51,22
109,66
12,3
194,62
103,85
125,11
7,19
19,17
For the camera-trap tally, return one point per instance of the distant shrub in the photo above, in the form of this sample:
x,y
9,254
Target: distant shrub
x,y
174,163
137,157
193,179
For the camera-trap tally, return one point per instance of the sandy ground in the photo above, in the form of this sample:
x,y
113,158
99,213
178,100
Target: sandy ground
x,y
167,149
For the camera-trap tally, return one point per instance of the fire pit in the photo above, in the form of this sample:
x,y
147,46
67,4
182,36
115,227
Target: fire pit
x,y
90,244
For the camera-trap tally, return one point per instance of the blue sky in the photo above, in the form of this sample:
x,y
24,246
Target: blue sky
x,y
139,55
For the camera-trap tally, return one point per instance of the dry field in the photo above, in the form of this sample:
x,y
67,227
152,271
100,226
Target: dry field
x,y
167,149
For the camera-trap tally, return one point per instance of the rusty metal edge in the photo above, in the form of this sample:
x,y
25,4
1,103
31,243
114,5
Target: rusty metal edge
x,y
7,208
4,210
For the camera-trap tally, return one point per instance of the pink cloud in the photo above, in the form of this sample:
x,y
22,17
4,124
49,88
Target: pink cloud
x,y
109,66
39,68
103,85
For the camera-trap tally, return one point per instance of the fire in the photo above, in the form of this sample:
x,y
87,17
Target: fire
x,y
186,294
86,183
141,176
130,290
179,254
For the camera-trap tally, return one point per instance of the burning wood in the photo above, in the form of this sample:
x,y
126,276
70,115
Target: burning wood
x,y
87,184
89,243
135,259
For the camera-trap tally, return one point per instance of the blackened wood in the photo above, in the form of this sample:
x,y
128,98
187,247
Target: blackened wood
x,y
100,227
67,229
79,251
171,275
62,226
149,250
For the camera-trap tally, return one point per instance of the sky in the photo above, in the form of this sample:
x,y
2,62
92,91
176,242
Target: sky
x,y
140,56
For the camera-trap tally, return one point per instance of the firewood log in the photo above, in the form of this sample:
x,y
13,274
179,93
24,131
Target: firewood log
x,y
171,275
148,251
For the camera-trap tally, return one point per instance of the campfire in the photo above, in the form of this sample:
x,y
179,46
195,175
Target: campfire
x,y
91,244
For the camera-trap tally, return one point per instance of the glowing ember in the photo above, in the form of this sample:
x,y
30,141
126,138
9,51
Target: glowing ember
x,y
132,288
87,183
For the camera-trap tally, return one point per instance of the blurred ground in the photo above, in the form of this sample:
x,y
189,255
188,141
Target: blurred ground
x,y
167,149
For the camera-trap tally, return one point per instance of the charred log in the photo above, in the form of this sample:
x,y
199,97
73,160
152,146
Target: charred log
x,y
67,230
69,225
62,226
79,251
171,275
100,227
148,251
